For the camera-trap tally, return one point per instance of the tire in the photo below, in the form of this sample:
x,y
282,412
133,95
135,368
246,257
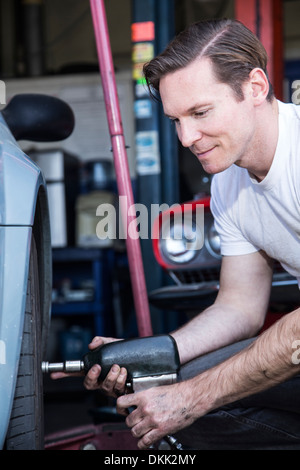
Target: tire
x,y
26,427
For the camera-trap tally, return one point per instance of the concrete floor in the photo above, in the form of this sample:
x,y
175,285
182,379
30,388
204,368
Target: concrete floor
x,y
67,404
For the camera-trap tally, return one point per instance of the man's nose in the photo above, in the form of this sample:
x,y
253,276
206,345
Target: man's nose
x,y
189,134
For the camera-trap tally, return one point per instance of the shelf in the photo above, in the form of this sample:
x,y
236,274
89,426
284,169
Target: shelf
x,y
78,265
74,254
70,308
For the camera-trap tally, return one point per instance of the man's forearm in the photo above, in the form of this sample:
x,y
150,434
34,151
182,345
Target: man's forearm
x,y
265,363
238,312
218,326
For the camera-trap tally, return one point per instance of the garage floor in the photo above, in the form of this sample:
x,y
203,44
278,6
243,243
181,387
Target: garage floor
x,y
77,419
67,405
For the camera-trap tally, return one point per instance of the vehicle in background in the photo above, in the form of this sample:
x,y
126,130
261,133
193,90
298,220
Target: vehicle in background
x,y
195,271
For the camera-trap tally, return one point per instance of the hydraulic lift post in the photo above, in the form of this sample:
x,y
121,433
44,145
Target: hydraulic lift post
x,y
265,19
136,269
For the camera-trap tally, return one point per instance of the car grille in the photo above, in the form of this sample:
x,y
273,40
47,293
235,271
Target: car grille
x,y
209,274
197,276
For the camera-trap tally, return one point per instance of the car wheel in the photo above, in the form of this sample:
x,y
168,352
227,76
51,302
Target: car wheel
x,y
26,427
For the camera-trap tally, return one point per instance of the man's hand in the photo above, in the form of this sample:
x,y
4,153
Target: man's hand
x,y
158,411
115,381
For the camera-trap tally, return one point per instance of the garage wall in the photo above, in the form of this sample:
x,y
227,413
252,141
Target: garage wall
x,y
69,35
68,32
291,29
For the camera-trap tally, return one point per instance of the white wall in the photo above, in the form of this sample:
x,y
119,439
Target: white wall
x,y
90,139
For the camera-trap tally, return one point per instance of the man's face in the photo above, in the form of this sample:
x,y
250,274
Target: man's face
x,y
209,120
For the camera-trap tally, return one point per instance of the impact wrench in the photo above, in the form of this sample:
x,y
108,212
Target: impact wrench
x,y
150,362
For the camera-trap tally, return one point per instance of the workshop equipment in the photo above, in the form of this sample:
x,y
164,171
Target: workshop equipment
x,y
124,186
150,361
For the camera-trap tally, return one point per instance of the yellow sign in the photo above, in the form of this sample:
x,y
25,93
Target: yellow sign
x,y
142,52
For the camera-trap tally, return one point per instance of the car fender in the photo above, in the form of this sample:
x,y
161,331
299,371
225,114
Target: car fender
x,y
23,193
14,262
20,179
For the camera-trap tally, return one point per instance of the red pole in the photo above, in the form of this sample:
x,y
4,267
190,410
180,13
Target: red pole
x,y
246,13
270,13
121,165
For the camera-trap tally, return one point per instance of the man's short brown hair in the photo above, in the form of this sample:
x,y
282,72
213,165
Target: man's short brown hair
x,y
233,49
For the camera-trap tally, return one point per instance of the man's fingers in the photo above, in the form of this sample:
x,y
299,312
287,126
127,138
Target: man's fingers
x,y
148,439
115,382
96,342
91,378
100,340
120,384
62,375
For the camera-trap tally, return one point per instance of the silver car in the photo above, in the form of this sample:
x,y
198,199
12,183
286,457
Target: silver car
x,y
25,265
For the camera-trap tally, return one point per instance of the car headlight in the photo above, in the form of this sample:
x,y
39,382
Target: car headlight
x,y
181,242
213,243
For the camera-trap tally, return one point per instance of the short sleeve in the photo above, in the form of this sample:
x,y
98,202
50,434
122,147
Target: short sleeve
x,y
223,205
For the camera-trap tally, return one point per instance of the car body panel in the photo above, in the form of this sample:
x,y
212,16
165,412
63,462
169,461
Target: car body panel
x,y
21,181
14,262
203,256
197,281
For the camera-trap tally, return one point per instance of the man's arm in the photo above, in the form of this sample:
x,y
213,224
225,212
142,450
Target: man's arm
x,y
265,363
238,312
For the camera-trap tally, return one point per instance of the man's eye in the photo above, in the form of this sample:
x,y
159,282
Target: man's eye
x,y
201,113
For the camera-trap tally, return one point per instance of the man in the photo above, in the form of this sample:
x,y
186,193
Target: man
x,y
245,394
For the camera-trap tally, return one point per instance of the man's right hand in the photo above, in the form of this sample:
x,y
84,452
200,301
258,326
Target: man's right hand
x,y
115,382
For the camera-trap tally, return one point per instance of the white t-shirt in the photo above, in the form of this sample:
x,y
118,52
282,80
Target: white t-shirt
x,y
251,216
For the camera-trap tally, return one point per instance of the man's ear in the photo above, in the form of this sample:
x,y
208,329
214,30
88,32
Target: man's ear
x,y
259,85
